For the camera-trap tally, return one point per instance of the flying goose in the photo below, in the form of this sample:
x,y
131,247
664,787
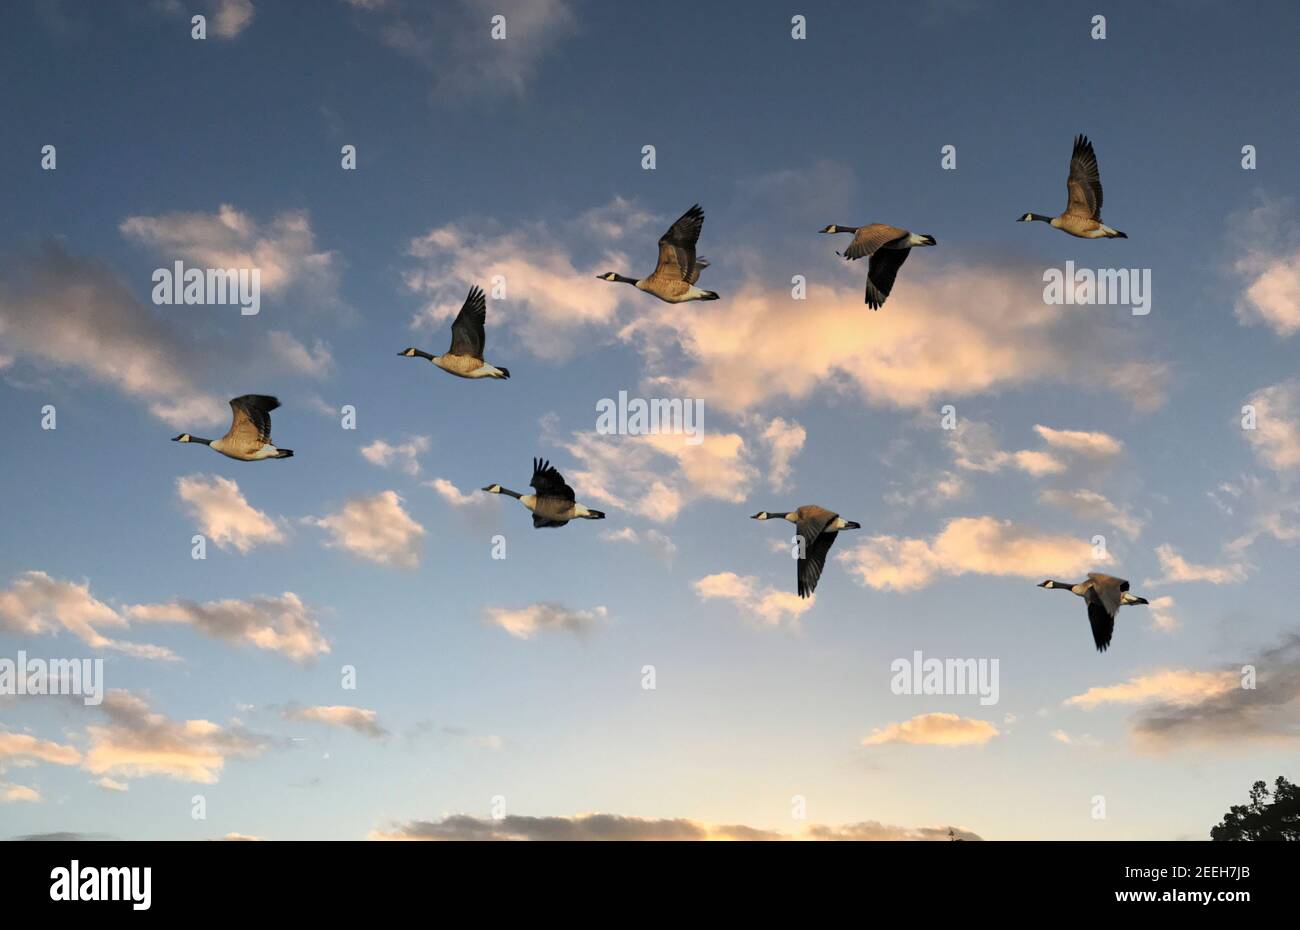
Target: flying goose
x,y
249,436
465,357
673,279
1082,216
888,247
553,504
817,528
1104,595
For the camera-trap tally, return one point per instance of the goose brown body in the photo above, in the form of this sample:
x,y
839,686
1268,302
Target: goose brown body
x,y
817,528
887,247
249,436
1082,216
678,269
1104,595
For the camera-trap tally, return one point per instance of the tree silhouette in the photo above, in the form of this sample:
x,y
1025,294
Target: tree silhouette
x,y
1261,820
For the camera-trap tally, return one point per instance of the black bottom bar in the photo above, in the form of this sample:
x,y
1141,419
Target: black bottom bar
x,y
727,879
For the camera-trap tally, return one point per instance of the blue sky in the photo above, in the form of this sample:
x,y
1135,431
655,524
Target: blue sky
x,y
371,548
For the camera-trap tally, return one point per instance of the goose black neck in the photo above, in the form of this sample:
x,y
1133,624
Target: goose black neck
x,y
624,279
515,494
206,442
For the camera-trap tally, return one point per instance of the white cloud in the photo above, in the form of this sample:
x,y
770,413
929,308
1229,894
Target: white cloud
x,y
1276,436
659,544
403,455
38,605
981,545
772,607
10,794
223,515
363,721
931,488
453,41
527,622
544,305
974,448
1090,505
1163,617
18,747
938,729
1085,740
135,742
72,313
616,220
1269,267
281,624
232,17
376,528
454,495
784,440
1170,686
1269,511
655,476
315,362
1177,569
1090,444
751,348
283,250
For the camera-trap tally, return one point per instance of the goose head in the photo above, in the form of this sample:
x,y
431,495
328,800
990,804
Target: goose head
x,y
492,489
409,353
832,228
183,437
761,515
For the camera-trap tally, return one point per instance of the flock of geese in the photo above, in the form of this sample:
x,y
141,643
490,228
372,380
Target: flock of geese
x,y
674,280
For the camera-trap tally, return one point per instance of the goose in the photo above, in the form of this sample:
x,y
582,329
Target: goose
x,y
1082,216
673,279
554,503
249,436
817,527
1104,595
465,357
888,247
